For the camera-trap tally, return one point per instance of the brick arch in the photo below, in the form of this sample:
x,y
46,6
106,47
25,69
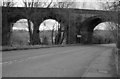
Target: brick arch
x,y
68,17
51,15
90,23
8,23
16,18
37,20
42,17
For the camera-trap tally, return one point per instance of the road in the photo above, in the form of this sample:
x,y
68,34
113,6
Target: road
x,y
72,61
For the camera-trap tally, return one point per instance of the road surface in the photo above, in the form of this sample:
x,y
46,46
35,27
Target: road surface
x,y
72,61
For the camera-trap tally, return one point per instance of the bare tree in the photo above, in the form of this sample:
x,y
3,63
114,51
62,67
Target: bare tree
x,y
58,4
63,4
8,3
113,28
52,35
45,4
31,4
112,6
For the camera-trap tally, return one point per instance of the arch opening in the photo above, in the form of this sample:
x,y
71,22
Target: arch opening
x,y
51,32
105,32
98,31
20,33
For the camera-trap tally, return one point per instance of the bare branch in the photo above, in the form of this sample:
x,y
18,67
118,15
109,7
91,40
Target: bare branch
x,y
8,3
115,6
64,4
49,4
111,5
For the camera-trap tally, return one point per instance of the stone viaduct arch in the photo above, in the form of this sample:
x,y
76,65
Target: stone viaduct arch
x,y
90,23
76,21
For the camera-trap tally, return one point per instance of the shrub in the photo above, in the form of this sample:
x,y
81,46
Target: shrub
x,y
102,36
45,40
19,38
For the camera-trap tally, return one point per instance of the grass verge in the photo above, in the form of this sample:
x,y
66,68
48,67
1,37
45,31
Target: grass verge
x,y
119,62
116,62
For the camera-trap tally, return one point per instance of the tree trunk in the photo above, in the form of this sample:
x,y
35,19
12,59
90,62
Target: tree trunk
x,y
52,36
36,39
58,37
30,31
62,38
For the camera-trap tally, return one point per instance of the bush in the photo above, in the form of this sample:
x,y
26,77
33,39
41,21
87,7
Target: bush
x,y
102,36
19,38
45,40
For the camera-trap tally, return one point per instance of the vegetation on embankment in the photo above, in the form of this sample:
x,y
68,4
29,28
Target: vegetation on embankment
x,y
119,62
21,37
116,54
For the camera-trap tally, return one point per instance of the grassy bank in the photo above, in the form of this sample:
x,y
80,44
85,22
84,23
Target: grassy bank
x,y
116,59
119,62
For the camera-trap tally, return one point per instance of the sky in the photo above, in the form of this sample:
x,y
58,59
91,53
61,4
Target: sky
x,y
81,4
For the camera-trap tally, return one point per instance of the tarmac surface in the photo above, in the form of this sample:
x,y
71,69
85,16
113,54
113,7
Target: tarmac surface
x,y
71,61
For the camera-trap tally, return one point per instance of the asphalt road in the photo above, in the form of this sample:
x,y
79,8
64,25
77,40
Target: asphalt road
x,y
72,61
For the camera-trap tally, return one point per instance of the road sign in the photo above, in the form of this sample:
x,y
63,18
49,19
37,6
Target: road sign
x,y
79,36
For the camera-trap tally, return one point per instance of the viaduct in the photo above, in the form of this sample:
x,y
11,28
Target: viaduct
x,y
75,21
